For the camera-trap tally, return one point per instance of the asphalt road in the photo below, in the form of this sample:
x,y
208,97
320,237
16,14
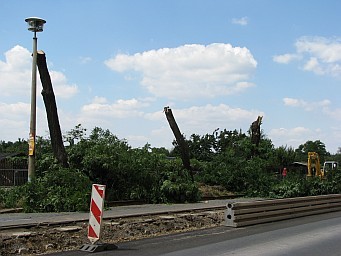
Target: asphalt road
x,y
313,235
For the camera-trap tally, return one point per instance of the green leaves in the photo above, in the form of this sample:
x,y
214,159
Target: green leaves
x,y
303,187
57,191
128,173
223,158
312,146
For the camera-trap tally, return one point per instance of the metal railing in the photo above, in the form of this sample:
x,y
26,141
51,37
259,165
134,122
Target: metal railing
x,y
239,214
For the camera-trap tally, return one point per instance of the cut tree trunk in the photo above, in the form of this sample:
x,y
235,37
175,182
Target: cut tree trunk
x,y
180,140
51,111
256,134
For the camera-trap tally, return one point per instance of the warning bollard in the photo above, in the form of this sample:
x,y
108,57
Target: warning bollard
x,y
96,212
95,221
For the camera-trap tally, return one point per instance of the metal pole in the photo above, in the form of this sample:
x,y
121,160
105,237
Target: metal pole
x,y
32,138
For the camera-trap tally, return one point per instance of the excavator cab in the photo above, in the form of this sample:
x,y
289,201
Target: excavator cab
x,y
330,167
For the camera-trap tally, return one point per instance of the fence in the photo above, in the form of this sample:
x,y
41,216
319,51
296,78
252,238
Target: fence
x,y
13,177
13,172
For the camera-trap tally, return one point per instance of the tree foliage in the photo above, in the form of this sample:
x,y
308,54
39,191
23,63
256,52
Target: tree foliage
x,y
19,146
128,173
222,158
312,146
58,190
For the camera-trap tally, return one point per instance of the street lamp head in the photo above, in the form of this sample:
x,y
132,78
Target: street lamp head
x,y
35,24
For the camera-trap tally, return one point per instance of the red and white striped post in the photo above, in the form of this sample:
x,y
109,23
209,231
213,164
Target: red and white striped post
x,y
96,212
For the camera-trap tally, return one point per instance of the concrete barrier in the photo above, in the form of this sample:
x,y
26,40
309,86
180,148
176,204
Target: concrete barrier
x,y
239,214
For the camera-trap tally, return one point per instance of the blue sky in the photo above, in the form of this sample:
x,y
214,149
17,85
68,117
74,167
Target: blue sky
x,y
216,64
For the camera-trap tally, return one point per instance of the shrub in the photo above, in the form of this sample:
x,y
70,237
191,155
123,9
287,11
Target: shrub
x,y
11,197
179,192
177,185
59,190
304,187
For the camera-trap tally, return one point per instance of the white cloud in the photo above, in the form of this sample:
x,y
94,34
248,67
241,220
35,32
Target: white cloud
x,y
61,87
205,119
139,140
99,100
329,133
319,55
15,87
296,131
16,71
85,60
286,58
14,110
240,21
100,108
296,136
328,50
190,71
333,113
293,136
131,120
201,120
14,121
313,65
308,106
212,114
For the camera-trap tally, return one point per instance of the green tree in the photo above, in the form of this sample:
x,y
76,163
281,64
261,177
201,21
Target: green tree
x,y
102,157
312,146
283,156
19,146
75,135
206,147
58,190
227,139
201,147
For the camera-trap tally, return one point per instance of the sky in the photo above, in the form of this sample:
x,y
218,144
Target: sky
x,y
216,63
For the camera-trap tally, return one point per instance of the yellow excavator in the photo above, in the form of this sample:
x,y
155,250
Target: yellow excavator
x,y
314,166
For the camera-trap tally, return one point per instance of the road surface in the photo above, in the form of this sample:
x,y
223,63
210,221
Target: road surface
x,y
314,236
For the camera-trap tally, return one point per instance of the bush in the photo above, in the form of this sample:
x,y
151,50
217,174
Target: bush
x,y
2,198
304,187
59,190
11,197
176,184
176,192
238,175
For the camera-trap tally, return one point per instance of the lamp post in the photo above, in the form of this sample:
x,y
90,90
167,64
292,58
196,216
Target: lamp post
x,y
35,25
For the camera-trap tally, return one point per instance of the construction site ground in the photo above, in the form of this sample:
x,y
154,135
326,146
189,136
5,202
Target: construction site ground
x,y
43,233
